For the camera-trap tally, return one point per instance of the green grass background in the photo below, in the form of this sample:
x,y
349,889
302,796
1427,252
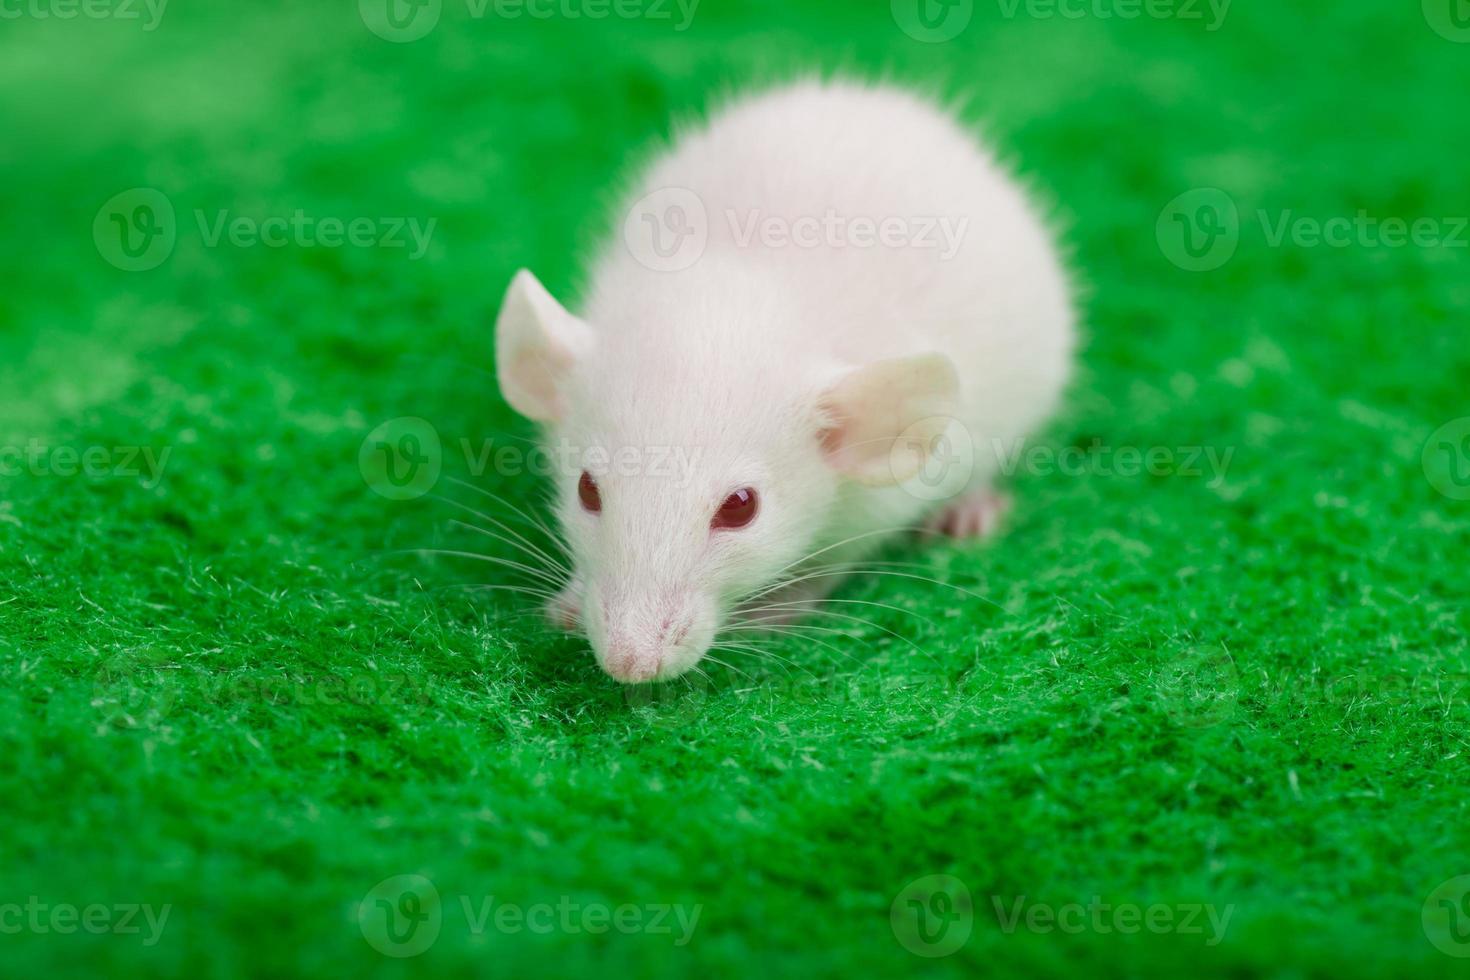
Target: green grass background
x,y
1248,692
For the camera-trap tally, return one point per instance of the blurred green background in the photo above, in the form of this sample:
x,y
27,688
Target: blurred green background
x,y
227,700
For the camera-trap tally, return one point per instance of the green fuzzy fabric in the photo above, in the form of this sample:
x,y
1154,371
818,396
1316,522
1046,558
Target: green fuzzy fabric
x,y
230,686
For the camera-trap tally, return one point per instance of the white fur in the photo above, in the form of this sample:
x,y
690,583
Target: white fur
x,y
789,369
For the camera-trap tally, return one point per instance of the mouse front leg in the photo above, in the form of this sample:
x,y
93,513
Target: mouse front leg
x,y
976,515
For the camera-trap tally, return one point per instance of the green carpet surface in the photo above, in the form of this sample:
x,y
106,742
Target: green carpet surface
x,y
1201,710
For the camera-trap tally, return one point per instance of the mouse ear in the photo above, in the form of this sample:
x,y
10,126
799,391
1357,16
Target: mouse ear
x,y
537,342
883,419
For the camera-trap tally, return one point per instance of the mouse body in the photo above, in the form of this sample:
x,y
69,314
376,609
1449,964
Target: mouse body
x,y
823,311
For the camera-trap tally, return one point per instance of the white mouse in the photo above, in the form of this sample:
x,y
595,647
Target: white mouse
x,y
824,310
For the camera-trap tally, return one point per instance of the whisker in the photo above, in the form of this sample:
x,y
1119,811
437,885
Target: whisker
x,y
526,590
847,602
525,544
526,516
792,631
555,573
865,622
492,559
846,541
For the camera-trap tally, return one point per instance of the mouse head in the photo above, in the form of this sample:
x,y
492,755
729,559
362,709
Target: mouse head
x,y
690,480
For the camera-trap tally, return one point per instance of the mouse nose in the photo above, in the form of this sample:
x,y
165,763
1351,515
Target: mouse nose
x,y
636,657
627,663
638,644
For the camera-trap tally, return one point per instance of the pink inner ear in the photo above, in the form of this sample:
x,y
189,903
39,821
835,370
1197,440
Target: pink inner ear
x,y
534,371
835,436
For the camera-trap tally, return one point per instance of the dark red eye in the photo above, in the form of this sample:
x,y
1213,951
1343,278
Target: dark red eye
x,y
738,509
587,493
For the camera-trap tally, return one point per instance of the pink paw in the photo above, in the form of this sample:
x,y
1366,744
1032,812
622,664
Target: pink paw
x,y
976,516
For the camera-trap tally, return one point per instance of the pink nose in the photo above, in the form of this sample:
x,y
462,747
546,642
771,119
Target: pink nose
x,y
633,668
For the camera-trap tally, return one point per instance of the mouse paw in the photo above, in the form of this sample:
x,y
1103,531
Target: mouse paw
x,y
978,515
564,611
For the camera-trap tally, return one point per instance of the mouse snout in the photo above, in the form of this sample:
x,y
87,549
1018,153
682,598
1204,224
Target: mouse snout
x,y
640,638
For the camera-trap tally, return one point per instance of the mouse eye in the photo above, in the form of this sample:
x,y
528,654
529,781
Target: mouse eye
x,y
587,493
738,509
